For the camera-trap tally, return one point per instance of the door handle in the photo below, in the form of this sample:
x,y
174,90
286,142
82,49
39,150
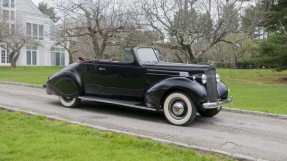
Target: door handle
x,y
101,69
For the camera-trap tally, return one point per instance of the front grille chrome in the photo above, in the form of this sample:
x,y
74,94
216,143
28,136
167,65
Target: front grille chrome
x,y
211,86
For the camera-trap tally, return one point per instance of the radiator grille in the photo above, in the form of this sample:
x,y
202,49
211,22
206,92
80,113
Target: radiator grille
x,y
211,86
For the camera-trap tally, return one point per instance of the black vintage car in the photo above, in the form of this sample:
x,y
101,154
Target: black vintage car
x,y
142,81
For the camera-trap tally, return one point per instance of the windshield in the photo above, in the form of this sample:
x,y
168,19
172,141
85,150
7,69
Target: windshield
x,y
147,55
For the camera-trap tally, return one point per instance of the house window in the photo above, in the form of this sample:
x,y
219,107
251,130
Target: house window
x,y
13,29
12,3
7,58
41,32
5,3
31,52
35,30
58,56
28,29
53,33
6,15
12,15
4,57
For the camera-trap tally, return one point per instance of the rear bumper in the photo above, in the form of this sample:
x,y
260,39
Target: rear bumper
x,y
218,104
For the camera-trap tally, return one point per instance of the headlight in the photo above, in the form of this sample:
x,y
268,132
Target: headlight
x,y
217,78
203,78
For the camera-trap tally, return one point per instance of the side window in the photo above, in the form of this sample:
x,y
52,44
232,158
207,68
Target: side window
x,y
159,56
128,56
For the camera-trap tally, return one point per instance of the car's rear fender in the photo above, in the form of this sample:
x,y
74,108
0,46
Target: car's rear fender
x,y
65,83
156,94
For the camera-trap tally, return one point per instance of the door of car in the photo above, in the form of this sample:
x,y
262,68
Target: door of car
x,y
121,80
115,79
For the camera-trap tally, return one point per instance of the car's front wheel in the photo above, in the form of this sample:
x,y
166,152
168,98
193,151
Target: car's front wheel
x,y
179,109
69,102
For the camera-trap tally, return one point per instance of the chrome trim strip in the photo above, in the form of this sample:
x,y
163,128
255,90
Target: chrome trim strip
x,y
218,104
162,71
163,74
116,103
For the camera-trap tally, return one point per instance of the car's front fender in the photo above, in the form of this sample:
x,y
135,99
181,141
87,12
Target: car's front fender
x,y
156,94
222,90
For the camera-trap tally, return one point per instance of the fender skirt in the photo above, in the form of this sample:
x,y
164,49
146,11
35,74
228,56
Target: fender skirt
x,y
67,84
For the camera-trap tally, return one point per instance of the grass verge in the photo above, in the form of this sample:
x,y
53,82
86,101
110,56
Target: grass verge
x,y
257,89
31,138
28,74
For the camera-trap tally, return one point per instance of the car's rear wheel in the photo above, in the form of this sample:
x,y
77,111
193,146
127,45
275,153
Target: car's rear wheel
x,y
208,112
69,102
179,109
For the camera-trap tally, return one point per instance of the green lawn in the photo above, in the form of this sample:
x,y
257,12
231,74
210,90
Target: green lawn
x,y
257,89
27,74
35,138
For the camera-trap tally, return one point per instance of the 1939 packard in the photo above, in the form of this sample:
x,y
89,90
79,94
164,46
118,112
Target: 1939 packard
x,y
142,81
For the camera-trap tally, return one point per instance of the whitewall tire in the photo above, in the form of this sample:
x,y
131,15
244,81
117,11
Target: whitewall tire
x,y
69,102
179,109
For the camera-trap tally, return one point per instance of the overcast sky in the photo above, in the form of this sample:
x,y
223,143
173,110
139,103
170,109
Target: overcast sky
x,y
37,1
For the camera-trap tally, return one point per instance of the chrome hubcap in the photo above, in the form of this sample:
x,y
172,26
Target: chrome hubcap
x,y
178,108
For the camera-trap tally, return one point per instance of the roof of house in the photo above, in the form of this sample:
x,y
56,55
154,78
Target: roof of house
x,y
29,7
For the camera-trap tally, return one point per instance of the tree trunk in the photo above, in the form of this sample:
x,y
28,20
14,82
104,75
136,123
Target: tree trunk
x,y
13,64
14,55
191,57
103,44
71,61
235,63
96,48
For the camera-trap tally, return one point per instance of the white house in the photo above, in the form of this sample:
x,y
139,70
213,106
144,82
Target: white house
x,y
24,13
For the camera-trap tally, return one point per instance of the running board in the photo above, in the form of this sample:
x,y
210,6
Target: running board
x,y
132,104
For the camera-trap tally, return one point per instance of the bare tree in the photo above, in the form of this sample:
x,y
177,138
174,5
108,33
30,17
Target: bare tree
x,y
100,21
237,49
193,26
13,39
254,18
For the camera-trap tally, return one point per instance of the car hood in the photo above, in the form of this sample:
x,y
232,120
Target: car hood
x,y
172,68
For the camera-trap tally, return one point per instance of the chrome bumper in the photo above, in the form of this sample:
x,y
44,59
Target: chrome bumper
x,y
218,104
